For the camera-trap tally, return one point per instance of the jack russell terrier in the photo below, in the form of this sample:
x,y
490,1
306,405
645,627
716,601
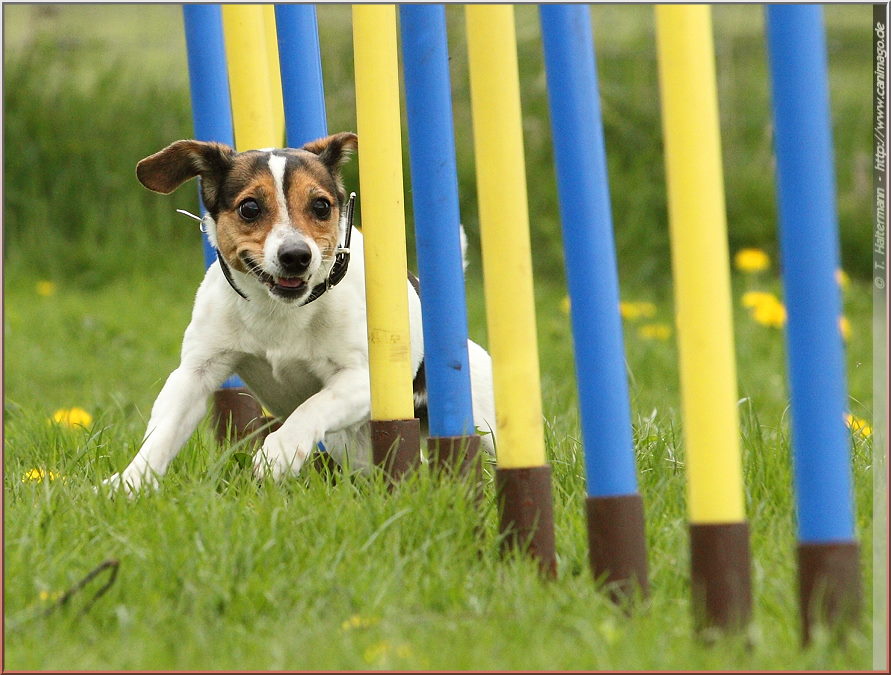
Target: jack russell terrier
x,y
272,311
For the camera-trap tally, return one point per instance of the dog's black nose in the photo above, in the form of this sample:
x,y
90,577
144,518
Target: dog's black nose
x,y
294,258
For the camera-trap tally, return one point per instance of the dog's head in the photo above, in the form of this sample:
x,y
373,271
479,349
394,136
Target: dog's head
x,y
276,213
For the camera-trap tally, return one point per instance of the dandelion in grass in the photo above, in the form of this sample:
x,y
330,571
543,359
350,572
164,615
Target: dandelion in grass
x,y
49,596
773,315
844,326
858,425
381,650
636,310
72,417
46,288
38,475
655,331
765,308
842,278
358,621
751,299
376,652
751,260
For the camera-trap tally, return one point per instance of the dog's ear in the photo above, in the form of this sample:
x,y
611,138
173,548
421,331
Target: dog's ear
x,y
334,151
171,167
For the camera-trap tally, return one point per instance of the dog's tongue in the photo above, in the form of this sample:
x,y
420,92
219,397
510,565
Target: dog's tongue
x,y
289,283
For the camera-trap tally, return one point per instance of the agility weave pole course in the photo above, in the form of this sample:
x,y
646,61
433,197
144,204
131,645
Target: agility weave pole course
x,y
220,569
720,559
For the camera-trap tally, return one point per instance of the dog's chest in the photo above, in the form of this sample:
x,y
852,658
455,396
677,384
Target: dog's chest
x,y
286,362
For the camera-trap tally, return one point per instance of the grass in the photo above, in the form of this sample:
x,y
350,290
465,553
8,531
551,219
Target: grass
x,y
218,572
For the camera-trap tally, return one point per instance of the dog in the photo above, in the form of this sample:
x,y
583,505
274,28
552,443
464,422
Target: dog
x,y
267,310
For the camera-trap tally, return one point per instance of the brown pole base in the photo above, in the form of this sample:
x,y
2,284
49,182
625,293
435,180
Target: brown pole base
x,y
527,514
617,548
456,456
235,412
721,575
396,446
828,585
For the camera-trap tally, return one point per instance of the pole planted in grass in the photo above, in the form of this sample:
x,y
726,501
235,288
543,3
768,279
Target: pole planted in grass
x,y
828,554
719,539
616,538
395,431
523,478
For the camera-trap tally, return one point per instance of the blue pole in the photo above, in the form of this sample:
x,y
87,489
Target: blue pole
x,y
208,83
301,70
209,87
809,254
437,219
591,274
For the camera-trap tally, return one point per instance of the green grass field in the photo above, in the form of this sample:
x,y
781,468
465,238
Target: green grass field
x,y
219,572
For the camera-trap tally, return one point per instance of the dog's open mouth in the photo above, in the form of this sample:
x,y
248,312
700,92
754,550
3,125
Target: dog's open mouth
x,y
286,287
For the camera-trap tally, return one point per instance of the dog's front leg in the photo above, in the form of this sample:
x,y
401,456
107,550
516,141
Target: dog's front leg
x,y
344,401
175,415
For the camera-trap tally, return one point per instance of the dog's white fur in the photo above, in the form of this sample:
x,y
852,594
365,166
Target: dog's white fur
x,y
307,364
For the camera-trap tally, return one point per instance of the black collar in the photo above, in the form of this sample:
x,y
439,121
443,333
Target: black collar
x,y
335,274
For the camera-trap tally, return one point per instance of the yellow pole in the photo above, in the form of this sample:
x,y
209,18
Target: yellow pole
x,y
249,79
700,263
275,77
504,226
383,214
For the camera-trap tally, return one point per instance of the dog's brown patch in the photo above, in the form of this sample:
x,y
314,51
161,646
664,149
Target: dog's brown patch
x,y
248,179
304,188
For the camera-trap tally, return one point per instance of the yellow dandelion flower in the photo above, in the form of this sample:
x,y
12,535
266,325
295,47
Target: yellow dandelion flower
x,y
636,310
845,326
857,424
565,304
49,595
771,314
655,331
358,621
752,299
37,475
376,652
46,288
751,260
842,278
72,417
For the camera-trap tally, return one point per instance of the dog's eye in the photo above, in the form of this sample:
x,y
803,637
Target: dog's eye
x,y
322,208
249,209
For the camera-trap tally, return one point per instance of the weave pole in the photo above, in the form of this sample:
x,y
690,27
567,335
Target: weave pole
x,y
250,82
522,478
616,537
395,432
234,408
303,90
208,85
828,555
452,443
719,543
270,40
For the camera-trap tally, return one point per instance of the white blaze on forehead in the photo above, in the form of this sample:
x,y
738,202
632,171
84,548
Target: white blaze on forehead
x,y
282,231
277,169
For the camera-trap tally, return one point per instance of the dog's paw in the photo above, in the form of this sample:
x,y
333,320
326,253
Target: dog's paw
x,y
130,483
281,455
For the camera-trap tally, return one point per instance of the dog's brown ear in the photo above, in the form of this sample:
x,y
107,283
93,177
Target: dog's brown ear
x,y
171,167
334,151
